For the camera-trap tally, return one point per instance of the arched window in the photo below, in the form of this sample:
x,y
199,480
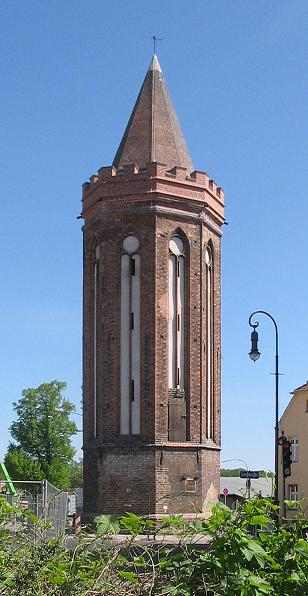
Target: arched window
x,y
94,336
130,337
209,344
176,347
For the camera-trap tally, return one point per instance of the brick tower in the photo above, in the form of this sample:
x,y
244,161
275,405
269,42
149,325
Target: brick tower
x,y
151,340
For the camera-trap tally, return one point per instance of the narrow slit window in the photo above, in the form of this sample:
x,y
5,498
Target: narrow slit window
x,y
130,337
176,343
95,294
209,344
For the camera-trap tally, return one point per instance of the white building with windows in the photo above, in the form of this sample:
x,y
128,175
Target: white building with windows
x,y
294,424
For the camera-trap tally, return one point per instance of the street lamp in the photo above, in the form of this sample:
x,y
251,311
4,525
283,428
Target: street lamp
x,y
224,461
254,354
61,410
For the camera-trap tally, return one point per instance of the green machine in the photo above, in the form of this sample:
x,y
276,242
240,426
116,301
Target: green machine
x,y
7,478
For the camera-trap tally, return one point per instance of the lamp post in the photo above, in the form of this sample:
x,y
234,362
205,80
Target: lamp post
x,y
254,354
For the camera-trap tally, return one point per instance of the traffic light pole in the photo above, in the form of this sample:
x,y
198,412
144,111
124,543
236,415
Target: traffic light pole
x,y
284,497
276,417
286,466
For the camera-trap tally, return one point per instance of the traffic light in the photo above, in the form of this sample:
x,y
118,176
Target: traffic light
x,y
286,458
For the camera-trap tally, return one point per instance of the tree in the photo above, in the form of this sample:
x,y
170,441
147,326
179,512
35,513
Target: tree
x,y
21,466
76,474
230,472
43,434
225,472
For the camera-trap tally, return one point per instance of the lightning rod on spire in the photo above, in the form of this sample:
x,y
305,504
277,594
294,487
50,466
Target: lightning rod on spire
x,y
155,40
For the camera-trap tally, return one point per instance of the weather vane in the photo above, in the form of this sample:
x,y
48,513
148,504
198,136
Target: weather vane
x,y
155,40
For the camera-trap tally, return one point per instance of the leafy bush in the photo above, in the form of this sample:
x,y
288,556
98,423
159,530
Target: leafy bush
x,y
233,553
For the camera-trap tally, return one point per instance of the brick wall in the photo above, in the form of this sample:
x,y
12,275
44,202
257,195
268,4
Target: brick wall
x,y
147,479
141,471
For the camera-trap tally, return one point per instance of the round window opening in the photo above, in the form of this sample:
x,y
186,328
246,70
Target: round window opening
x,y
130,244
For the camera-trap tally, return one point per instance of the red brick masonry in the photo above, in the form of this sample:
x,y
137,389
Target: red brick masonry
x,y
148,474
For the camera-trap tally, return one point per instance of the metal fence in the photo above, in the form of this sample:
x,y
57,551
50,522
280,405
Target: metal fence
x,y
48,503
55,503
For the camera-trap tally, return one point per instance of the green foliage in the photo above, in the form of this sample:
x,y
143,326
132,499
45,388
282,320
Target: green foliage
x,y
106,524
243,554
135,525
241,562
76,474
21,466
43,432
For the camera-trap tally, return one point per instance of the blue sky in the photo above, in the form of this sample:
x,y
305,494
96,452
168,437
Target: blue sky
x,y
237,73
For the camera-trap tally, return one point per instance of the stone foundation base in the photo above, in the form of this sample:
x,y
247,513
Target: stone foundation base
x,y
151,479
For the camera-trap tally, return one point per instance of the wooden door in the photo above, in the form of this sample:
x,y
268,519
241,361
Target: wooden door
x,y
177,420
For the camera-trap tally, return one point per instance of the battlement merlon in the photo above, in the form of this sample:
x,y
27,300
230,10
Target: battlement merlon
x,y
132,185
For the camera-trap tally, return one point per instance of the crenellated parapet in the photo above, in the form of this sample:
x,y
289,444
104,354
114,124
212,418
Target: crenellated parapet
x,y
131,184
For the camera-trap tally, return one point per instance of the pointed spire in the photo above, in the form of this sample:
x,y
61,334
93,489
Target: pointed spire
x,y
155,64
153,132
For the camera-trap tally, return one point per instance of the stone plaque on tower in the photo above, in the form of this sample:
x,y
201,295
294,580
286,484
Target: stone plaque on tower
x,y
151,331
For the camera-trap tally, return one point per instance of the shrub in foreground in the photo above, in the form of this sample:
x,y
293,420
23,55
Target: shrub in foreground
x,y
233,553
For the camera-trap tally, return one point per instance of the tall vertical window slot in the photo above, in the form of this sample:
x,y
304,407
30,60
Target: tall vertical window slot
x,y
130,338
210,346
176,347
95,282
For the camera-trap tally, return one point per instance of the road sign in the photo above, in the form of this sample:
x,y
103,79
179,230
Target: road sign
x,y
249,474
225,492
